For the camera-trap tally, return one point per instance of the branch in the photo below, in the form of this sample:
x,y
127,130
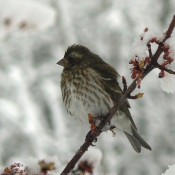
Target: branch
x,y
92,136
165,69
170,29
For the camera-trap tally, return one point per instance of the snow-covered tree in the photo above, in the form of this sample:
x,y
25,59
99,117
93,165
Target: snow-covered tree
x,y
34,122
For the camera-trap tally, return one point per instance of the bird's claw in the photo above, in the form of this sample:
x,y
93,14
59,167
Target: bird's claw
x,y
89,138
113,132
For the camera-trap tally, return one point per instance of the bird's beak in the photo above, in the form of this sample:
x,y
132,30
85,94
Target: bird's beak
x,y
61,62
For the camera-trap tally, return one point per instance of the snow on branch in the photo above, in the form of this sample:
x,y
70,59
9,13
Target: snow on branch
x,y
24,15
170,171
52,165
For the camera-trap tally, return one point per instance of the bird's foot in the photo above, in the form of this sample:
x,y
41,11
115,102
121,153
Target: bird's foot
x,y
90,139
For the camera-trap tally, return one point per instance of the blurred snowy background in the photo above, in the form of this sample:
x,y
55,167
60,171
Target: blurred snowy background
x,y
33,120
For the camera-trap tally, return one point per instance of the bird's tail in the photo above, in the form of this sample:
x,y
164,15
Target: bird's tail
x,y
136,140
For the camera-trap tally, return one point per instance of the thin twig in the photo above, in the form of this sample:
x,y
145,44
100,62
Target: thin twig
x,y
149,50
170,29
124,84
165,69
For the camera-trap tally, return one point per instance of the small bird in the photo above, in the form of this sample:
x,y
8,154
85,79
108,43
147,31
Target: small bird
x,y
90,85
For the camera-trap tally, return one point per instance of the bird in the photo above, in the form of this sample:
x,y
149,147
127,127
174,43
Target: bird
x,y
90,85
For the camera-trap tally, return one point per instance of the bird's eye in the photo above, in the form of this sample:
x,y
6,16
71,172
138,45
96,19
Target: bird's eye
x,y
70,59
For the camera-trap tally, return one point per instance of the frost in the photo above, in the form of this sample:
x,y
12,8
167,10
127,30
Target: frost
x,y
24,15
168,83
170,171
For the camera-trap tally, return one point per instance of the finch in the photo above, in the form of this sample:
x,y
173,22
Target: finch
x,y
90,85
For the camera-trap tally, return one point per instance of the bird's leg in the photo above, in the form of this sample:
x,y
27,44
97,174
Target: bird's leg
x,y
94,127
91,122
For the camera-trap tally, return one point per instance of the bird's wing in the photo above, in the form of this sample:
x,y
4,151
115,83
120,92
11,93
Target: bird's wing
x,y
109,83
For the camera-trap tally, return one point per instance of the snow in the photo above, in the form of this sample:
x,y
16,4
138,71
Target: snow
x,y
170,171
171,43
139,49
7,105
32,165
167,83
93,156
151,33
33,119
16,169
24,15
114,16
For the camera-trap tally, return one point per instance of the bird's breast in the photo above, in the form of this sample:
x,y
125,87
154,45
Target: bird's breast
x,y
83,93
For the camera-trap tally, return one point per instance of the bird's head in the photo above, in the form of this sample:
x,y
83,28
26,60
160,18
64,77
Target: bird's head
x,y
77,55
